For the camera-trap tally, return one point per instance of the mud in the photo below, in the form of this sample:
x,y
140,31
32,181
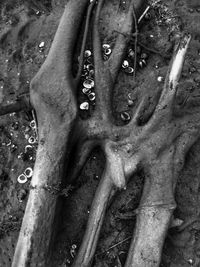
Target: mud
x,y
24,26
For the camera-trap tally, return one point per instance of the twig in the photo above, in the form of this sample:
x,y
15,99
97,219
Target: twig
x,y
136,40
20,104
81,58
115,245
98,60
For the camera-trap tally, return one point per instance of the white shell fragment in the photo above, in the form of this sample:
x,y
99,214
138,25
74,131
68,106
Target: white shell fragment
x,y
91,96
89,83
41,45
22,179
84,106
131,53
160,79
106,46
125,64
33,124
86,91
129,70
125,116
31,140
107,51
28,172
87,53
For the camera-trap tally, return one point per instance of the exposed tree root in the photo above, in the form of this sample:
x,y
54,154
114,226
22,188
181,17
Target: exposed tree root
x,y
159,146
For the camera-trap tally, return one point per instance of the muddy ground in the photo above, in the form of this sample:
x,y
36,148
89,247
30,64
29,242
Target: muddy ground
x,y
24,25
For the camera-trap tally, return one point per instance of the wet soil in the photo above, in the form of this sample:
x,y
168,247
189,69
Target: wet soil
x,y
27,29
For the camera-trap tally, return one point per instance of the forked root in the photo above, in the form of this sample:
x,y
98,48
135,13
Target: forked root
x,y
103,194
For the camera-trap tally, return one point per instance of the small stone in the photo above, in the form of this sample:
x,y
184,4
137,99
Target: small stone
x,y
190,261
22,195
15,125
147,16
191,10
160,79
125,116
84,106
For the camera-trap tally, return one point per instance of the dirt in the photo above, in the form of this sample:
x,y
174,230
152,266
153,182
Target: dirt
x,y
24,25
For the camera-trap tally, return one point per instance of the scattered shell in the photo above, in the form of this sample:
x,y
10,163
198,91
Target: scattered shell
x,y
91,96
125,64
41,45
107,51
131,53
86,91
31,140
105,57
129,70
28,172
125,116
84,106
87,53
22,179
130,102
89,83
91,73
106,46
160,79
89,67
142,63
33,124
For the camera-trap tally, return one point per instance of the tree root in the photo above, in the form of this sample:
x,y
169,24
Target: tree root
x,y
159,146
